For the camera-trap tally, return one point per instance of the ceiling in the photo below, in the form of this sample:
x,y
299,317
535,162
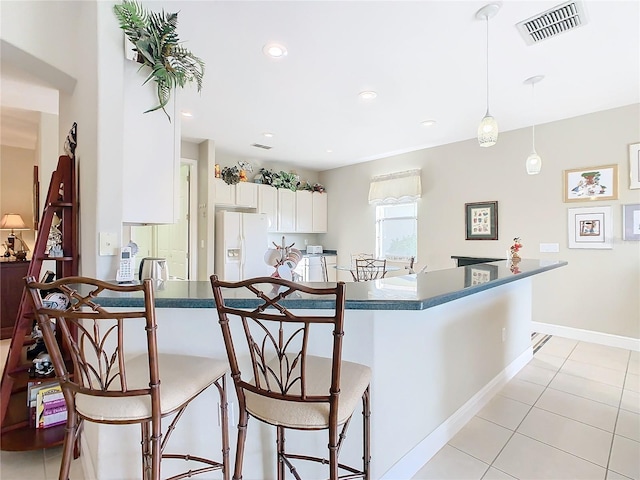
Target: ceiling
x,y
425,59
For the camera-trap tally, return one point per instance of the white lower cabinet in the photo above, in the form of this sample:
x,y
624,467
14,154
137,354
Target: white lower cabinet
x,y
311,270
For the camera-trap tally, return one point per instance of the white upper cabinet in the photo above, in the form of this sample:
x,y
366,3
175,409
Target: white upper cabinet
x,y
319,215
243,194
268,204
247,194
151,153
286,210
223,194
304,211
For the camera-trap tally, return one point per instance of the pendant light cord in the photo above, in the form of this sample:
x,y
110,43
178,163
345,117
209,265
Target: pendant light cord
x,y
533,124
487,17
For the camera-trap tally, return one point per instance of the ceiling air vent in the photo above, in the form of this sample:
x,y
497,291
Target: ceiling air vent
x,y
560,19
257,145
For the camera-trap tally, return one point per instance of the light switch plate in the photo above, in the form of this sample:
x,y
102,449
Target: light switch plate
x,y
108,243
549,248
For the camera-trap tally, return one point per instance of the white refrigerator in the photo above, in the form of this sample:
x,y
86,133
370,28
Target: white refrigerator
x,y
240,244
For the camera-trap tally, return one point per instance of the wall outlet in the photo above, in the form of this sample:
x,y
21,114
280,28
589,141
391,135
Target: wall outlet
x,y
549,247
504,334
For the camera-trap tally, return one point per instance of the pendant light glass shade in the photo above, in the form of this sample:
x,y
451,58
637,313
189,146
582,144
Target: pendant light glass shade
x,y
488,128
488,131
533,163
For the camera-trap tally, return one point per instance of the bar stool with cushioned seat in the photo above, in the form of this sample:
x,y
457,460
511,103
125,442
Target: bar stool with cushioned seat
x,y
279,382
109,387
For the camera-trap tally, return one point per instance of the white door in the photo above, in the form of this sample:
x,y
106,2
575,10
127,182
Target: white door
x,y
173,239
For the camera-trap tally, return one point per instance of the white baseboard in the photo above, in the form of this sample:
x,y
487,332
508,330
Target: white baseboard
x,y
590,336
413,461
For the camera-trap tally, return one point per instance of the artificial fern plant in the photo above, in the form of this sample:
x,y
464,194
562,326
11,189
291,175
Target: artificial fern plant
x,y
156,41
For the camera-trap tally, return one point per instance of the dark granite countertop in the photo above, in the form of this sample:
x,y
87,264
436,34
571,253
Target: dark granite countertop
x,y
407,292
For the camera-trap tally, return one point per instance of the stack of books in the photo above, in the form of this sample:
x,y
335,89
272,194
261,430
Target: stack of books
x,y
46,404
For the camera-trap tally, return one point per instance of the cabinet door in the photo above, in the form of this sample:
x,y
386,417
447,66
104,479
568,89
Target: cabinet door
x,y
286,210
151,154
304,211
247,194
319,216
223,194
268,204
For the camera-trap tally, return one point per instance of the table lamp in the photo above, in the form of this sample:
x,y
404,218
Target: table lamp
x,y
12,221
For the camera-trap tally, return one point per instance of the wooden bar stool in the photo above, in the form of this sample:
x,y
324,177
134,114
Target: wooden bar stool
x,y
102,384
284,385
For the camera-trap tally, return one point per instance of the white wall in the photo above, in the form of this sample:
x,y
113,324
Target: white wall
x,y
598,290
16,190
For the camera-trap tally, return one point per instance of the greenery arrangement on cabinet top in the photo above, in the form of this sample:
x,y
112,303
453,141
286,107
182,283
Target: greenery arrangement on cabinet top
x,y
158,47
288,180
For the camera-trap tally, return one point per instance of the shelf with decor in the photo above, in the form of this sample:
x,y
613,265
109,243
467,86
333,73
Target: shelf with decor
x,y
56,240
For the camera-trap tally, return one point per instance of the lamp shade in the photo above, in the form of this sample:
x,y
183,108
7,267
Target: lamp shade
x,y
488,131
12,221
533,163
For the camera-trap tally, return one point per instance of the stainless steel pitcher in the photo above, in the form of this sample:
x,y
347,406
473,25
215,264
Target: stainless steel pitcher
x,y
154,268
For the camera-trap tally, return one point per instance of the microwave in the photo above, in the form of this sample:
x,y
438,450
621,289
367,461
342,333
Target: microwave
x,y
314,248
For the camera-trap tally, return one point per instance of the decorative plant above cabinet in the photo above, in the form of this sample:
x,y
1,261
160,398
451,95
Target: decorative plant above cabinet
x,y
158,47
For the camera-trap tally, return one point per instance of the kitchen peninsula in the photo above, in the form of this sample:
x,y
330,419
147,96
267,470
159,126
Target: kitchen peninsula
x,y
440,345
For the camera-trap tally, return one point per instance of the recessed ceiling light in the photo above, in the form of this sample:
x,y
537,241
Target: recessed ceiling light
x,y
368,95
267,134
329,150
429,123
187,114
274,50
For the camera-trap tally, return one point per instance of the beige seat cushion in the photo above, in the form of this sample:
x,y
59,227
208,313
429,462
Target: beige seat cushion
x,y
354,379
182,377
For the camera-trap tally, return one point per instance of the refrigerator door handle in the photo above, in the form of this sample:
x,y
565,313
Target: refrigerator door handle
x,y
242,256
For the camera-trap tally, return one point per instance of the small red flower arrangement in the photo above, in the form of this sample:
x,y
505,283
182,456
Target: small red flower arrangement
x,y
515,248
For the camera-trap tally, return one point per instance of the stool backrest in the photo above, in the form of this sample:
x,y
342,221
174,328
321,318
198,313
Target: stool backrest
x,y
370,269
258,322
68,310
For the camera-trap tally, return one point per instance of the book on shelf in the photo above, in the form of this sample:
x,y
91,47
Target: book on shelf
x,y
33,387
50,408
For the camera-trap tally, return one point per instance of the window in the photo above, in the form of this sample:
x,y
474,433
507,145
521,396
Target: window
x,y
397,231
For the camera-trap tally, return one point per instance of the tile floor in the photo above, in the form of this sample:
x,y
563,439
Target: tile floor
x,y
572,413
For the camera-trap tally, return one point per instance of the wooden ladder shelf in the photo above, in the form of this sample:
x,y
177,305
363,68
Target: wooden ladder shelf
x,y
61,201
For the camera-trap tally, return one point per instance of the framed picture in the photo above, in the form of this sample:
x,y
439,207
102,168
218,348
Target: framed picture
x,y
634,166
590,227
592,183
481,220
479,274
631,222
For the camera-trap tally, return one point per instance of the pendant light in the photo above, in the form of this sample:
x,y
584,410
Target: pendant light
x,y
488,128
534,162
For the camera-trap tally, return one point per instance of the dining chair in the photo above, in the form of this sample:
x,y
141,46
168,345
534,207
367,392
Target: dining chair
x,y
280,382
354,258
370,269
104,384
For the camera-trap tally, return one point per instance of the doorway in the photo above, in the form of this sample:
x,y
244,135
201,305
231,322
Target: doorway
x,y
175,242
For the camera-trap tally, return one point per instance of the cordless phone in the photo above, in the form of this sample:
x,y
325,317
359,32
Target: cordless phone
x,y
125,270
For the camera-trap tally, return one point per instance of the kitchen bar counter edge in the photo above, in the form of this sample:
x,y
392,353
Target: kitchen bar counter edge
x,y
407,292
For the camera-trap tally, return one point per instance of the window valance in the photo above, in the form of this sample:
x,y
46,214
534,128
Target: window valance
x,y
395,187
